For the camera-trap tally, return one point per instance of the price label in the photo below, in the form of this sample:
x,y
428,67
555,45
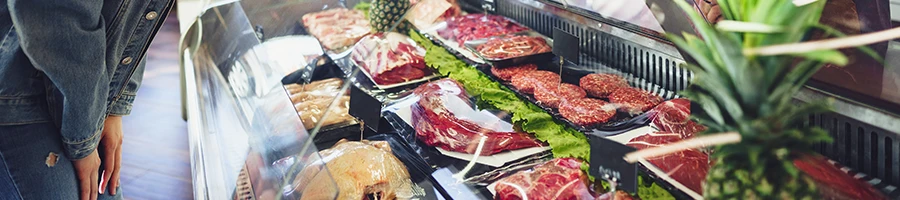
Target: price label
x,y
607,162
565,45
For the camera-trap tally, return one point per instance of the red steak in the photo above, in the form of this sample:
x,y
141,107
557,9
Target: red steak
x,y
832,182
507,73
601,85
634,100
515,46
478,26
559,178
687,167
390,58
553,96
674,116
527,82
437,125
587,111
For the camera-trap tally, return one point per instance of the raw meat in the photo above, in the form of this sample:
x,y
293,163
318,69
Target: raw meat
x,y
358,169
337,28
478,26
390,58
507,73
601,85
559,178
515,46
437,125
553,96
688,167
311,102
832,182
528,82
587,111
674,116
634,100
618,195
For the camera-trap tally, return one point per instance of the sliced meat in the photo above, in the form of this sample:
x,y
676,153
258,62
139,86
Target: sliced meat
x,y
587,111
687,167
527,82
601,85
832,182
507,73
390,58
634,100
436,125
559,178
511,47
337,28
674,116
552,96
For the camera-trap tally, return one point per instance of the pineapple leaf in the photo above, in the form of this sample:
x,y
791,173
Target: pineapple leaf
x,y
834,32
826,56
789,167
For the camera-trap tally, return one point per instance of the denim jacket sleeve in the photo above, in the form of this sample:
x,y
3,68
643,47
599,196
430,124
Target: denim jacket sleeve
x,y
122,106
66,40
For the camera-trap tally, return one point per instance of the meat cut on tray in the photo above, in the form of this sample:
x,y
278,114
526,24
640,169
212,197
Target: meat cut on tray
x,y
439,121
688,167
528,82
601,85
312,101
834,183
478,26
560,178
513,46
390,58
587,111
674,116
507,73
633,100
358,170
337,29
552,96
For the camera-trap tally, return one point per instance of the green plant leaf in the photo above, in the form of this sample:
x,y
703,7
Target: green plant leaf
x,y
826,56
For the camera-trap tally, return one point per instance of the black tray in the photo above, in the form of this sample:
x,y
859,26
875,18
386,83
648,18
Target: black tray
x,y
620,123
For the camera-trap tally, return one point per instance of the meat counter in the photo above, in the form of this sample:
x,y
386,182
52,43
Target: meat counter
x,y
249,142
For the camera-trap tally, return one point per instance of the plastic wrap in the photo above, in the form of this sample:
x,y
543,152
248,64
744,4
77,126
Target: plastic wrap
x,y
688,167
360,170
674,116
477,26
513,46
559,178
427,12
390,59
337,29
312,100
833,182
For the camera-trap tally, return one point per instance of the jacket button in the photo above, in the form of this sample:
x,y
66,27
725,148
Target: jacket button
x,y
151,15
127,60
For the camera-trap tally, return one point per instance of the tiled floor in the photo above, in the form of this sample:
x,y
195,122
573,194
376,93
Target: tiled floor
x,y
155,156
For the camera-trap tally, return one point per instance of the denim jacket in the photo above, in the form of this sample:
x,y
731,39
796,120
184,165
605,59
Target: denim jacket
x,y
59,61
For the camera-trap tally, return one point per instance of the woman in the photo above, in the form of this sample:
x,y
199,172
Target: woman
x,y
68,72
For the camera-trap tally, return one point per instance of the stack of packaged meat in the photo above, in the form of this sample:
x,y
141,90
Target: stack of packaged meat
x,y
478,26
513,46
337,29
312,100
390,58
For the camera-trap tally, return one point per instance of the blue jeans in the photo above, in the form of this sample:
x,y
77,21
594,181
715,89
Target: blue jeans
x,y
34,166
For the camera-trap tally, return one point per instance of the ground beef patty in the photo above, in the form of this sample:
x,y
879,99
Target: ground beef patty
x,y
634,100
601,85
551,96
506,73
527,82
587,111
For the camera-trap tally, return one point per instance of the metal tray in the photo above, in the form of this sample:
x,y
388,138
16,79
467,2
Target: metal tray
x,y
472,45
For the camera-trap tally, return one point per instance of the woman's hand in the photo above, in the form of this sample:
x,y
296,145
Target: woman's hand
x,y
111,146
86,169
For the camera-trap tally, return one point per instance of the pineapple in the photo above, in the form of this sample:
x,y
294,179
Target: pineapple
x,y
752,95
385,13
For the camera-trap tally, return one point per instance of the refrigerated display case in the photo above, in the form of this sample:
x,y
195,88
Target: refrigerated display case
x,y
247,62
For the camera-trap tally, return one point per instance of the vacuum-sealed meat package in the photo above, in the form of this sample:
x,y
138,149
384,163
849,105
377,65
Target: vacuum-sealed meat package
x,y
674,116
478,26
559,178
312,100
513,46
390,58
337,29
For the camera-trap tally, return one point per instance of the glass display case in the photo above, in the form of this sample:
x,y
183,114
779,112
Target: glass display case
x,y
343,99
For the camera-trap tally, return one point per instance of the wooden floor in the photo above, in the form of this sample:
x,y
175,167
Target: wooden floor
x,y
155,157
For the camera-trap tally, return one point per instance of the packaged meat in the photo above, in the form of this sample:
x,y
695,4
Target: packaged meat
x,y
601,85
513,46
634,100
560,178
337,29
688,167
507,73
587,111
552,96
528,82
425,13
443,117
390,58
834,183
478,26
312,100
359,170
674,116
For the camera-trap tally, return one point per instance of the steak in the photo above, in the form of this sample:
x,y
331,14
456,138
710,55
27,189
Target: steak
x,y
436,125
515,46
674,116
337,28
507,73
478,26
634,100
390,58
832,182
553,96
688,167
528,82
601,85
559,178
587,111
